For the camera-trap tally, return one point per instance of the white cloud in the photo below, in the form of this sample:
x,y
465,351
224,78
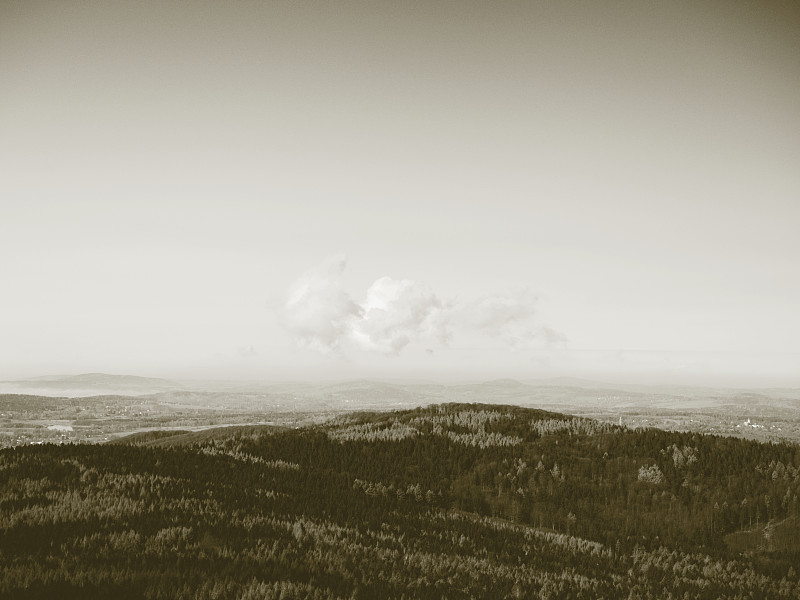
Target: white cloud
x,y
397,312
510,317
318,311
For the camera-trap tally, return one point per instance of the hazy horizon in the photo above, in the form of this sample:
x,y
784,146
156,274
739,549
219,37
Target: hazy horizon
x,y
294,191
58,383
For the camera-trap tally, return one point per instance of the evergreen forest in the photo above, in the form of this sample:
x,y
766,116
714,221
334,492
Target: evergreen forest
x,y
452,501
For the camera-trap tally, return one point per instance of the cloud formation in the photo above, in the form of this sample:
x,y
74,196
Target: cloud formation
x,y
397,312
318,311
511,318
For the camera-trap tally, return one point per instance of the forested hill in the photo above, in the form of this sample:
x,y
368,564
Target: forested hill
x,y
452,501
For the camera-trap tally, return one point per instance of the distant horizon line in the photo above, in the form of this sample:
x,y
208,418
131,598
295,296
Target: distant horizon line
x,y
177,382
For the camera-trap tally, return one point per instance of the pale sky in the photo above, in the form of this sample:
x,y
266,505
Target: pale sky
x,y
439,190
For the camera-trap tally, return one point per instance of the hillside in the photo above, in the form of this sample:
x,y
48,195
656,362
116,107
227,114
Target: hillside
x,y
457,501
98,415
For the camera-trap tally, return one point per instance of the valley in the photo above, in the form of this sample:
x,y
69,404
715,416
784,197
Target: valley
x,y
93,408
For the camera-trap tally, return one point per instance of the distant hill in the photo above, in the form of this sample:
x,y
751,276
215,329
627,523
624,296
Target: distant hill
x,y
563,394
88,384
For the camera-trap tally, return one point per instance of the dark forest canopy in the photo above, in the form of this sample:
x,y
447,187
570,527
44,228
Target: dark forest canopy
x,y
456,501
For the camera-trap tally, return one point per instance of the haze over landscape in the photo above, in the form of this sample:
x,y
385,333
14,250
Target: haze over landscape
x,y
440,191
391,300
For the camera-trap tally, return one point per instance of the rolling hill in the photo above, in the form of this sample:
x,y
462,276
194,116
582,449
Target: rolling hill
x,y
88,384
456,501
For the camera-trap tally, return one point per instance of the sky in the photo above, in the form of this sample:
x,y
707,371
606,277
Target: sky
x,y
431,190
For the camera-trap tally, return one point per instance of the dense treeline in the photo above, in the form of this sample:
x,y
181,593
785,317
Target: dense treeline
x,y
455,501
